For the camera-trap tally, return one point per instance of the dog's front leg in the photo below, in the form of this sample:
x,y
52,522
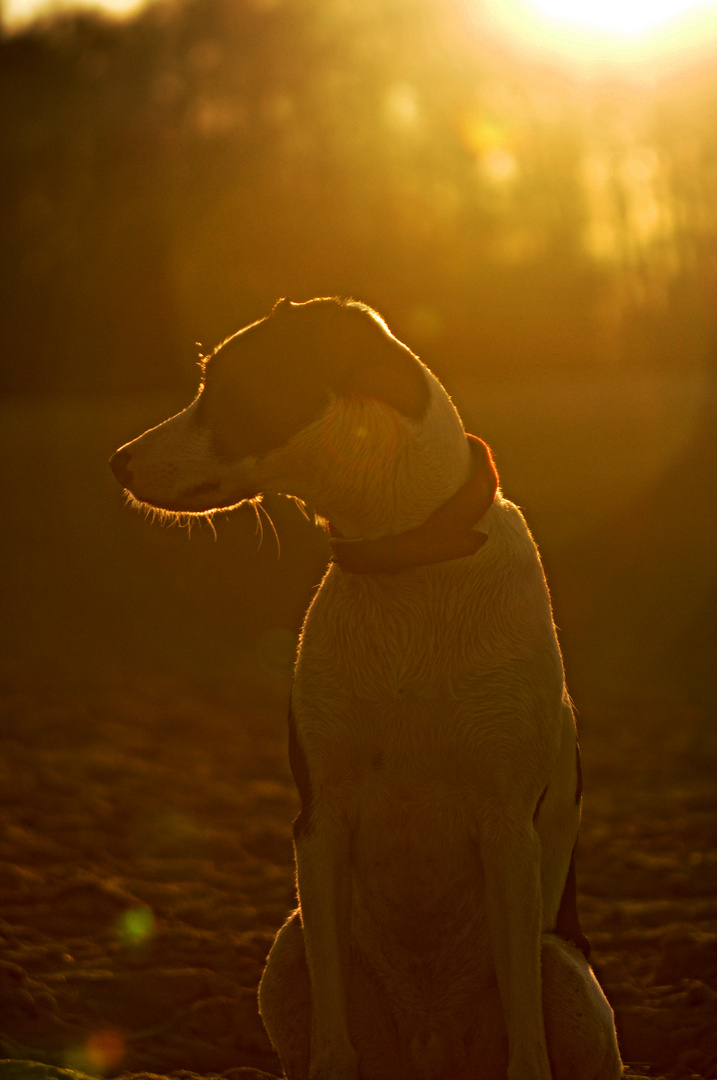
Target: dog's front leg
x,y
323,862
511,864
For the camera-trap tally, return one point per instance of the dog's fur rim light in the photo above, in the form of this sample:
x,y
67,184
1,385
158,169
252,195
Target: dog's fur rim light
x,y
431,734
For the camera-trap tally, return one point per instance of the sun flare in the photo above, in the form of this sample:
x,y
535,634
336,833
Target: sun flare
x,y
607,31
616,16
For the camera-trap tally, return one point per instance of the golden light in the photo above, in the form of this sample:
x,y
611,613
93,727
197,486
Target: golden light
x,y
606,32
617,17
16,13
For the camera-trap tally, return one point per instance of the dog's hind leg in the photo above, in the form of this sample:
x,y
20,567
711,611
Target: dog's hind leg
x,y
285,999
579,1024
285,1006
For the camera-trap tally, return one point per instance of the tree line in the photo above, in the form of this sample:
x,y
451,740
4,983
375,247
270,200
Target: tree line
x,y
167,177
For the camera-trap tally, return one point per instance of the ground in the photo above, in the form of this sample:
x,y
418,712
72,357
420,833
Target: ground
x,y
145,833
147,863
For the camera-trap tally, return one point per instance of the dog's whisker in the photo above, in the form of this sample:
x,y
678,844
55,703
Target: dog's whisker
x,y
254,503
268,517
301,505
172,519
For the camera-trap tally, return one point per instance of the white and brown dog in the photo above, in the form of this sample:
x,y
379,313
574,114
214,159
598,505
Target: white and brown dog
x,y
431,734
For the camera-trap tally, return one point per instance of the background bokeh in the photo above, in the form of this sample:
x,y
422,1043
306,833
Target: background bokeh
x,y
547,242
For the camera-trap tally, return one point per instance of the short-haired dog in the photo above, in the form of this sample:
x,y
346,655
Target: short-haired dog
x,y
431,735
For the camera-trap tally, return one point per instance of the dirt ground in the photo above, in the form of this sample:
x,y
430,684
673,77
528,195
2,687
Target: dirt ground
x,y
145,833
146,864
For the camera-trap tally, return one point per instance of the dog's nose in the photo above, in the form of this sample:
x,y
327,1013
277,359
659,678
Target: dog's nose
x,y
119,463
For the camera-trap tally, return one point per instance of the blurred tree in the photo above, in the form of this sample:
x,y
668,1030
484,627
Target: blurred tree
x,y
167,177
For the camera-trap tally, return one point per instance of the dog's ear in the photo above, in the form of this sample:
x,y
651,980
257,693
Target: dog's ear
x,y
348,347
372,363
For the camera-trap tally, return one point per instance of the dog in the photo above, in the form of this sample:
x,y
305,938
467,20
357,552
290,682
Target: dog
x,y
431,735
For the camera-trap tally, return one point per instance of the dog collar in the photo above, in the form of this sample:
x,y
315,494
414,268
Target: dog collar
x,y
447,534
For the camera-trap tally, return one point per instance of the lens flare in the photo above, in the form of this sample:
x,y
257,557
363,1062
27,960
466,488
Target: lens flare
x,y
105,1049
136,925
620,17
606,32
493,147
102,1053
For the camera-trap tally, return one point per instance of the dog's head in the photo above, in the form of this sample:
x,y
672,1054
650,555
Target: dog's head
x,y
268,394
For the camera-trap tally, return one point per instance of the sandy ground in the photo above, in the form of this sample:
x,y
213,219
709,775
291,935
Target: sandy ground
x,y
146,864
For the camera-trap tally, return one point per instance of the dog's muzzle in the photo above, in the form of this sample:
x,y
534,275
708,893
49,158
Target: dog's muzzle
x,y
119,463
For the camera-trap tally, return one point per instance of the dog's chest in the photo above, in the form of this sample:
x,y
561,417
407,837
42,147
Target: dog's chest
x,y
378,640
416,686
412,830
424,631
409,800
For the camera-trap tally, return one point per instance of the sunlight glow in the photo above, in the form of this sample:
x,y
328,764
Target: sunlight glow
x,y
605,32
616,16
492,146
623,233
16,13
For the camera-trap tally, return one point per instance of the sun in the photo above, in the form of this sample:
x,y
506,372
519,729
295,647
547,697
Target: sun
x,y
609,31
620,17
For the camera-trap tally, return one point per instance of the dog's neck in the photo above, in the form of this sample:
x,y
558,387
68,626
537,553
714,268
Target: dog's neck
x,y
448,533
371,472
